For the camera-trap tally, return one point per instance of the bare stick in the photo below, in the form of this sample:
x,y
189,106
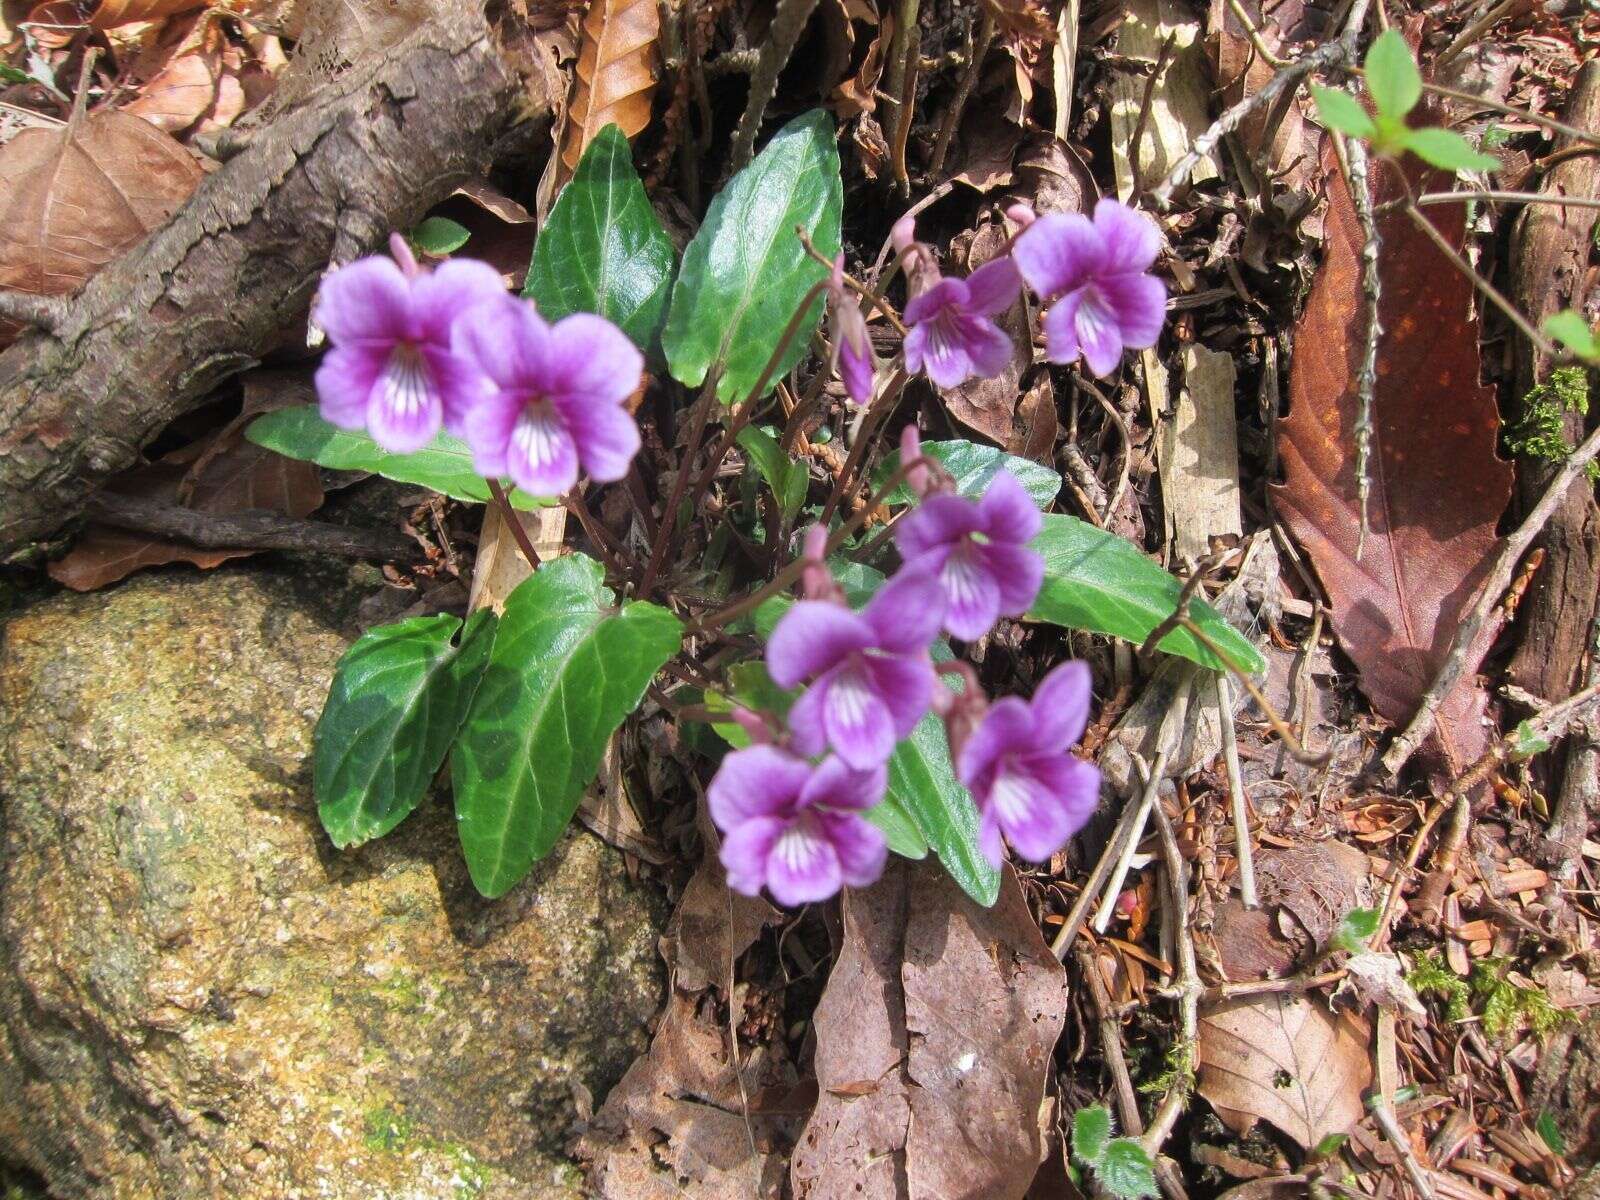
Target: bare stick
x,y
1385,1120
38,312
1506,198
1119,873
1168,48
782,35
1511,552
1261,47
1292,985
1188,989
1354,158
513,522
1111,1046
1241,817
958,103
1587,137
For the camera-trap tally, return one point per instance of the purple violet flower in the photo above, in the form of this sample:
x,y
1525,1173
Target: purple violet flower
x,y
872,679
952,336
1094,273
1016,765
979,551
391,370
556,403
795,828
852,346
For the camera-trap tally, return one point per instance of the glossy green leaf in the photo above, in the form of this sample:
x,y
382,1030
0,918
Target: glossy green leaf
x,y
1091,1130
902,833
445,465
398,697
567,668
603,249
785,475
745,272
440,236
1447,150
1125,1170
1392,75
1338,109
923,780
1097,581
973,466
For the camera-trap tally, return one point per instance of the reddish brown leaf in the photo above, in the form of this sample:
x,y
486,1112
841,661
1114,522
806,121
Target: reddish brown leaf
x,y
616,73
111,13
1438,487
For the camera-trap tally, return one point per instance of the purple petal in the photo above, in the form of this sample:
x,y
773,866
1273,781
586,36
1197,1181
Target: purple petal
x,y
972,593
507,339
856,369
937,523
747,849
1061,329
904,685
1140,305
942,357
441,295
928,304
856,719
803,866
993,287
461,385
1058,253
406,411
808,733
1042,802
345,379
988,348
906,613
606,434
368,300
990,843
836,785
487,427
813,636
1061,706
758,781
591,358
542,458
1006,728
1008,513
1132,240
1098,334
860,845
1019,572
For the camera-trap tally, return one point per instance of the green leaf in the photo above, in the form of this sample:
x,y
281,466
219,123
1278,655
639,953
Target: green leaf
x,y
1355,927
445,465
1103,583
1525,743
567,668
1126,1170
787,477
1545,1126
1447,150
10,74
1392,75
1329,1146
905,839
746,272
973,467
922,779
1338,109
439,236
603,249
1091,1130
1570,329
399,694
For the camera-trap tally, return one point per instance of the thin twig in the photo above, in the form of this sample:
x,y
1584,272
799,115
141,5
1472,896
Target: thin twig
x,y
1506,198
787,24
1290,985
958,103
598,533
1146,102
1188,989
1241,816
1119,873
901,84
700,418
48,313
1111,1046
1587,137
508,517
1353,155
1384,1118
1279,726
1256,40
1511,552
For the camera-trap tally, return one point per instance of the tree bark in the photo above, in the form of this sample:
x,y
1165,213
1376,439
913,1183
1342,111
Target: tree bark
x,y
211,292
1550,257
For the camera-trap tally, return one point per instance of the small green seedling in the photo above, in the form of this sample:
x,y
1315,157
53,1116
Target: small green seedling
x,y
1355,928
1545,1126
1395,85
1572,331
1120,1164
439,236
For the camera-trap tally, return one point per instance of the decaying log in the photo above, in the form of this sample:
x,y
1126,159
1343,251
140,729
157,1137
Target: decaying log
x,y
211,292
1550,257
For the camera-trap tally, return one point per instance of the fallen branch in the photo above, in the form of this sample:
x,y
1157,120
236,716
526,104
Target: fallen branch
x,y
253,530
36,312
1188,989
210,293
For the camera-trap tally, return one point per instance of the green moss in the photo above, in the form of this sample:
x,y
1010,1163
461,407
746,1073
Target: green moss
x,y
1177,1070
391,1131
1506,1009
1541,433
388,1130
1432,976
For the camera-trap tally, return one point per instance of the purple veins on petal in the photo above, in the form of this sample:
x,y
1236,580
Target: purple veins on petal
x,y
391,370
952,335
1028,787
978,551
793,828
1095,275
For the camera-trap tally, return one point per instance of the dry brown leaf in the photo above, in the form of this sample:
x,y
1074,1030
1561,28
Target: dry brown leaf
x,y
110,13
184,71
1285,1060
616,73
1438,485
75,197
988,406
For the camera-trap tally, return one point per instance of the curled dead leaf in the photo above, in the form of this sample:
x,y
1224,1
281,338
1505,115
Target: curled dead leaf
x,y
616,73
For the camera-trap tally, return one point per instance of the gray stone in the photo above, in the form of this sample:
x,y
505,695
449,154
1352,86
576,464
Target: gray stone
x,y
199,996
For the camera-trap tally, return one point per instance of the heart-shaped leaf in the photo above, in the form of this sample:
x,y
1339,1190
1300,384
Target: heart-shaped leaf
x,y
603,250
567,667
445,464
398,697
1098,581
746,272
973,467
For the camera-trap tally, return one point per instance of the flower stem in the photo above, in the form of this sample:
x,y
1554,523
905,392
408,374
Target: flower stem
x,y
508,515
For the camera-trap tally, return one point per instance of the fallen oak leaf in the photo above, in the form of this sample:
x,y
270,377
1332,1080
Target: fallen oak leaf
x,y
616,73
